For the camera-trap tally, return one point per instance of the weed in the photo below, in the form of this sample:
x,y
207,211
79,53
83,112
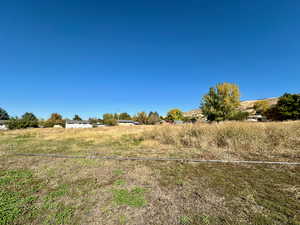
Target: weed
x,y
205,219
118,172
123,219
119,182
185,220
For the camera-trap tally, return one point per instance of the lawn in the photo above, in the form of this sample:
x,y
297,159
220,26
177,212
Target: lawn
x,y
40,190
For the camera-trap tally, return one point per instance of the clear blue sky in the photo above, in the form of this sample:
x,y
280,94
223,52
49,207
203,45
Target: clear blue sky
x,y
92,57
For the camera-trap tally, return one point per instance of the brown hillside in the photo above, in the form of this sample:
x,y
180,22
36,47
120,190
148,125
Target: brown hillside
x,y
249,104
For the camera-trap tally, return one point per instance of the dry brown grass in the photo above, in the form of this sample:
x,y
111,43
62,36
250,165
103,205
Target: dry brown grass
x,y
80,191
95,134
227,140
233,140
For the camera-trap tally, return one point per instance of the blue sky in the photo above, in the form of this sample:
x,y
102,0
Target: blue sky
x,y
92,57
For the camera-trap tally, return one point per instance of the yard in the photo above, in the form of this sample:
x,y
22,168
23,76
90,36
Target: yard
x,y
42,190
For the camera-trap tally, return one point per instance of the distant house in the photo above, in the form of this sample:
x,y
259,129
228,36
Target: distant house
x,y
3,125
256,118
195,114
127,123
78,124
98,124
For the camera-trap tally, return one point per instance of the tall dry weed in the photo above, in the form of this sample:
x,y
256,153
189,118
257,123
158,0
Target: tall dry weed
x,y
261,139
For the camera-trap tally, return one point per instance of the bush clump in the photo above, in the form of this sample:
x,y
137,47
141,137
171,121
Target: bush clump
x,y
28,120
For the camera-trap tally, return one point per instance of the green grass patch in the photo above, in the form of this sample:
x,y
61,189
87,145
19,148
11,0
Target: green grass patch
x,y
185,220
118,172
17,196
134,198
15,204
60,214
119,182
21,203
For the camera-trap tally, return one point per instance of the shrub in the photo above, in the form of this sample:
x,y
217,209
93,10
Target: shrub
x,y
14,123
28,120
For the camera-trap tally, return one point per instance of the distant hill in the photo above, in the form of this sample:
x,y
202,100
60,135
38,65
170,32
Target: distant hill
x,y
249,104
194,113
245,106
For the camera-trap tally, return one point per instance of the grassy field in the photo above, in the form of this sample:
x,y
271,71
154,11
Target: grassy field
x,y
37,190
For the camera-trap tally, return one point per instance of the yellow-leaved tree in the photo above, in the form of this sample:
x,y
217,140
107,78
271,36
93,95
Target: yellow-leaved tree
x,y
222,102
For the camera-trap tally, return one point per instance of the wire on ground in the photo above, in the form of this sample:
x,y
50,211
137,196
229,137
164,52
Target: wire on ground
x,y
154,159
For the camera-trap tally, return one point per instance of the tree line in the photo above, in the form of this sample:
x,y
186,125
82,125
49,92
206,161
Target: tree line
x,y
222,102
29,120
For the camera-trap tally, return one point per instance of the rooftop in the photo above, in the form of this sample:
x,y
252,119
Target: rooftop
x,y
127,121
77,122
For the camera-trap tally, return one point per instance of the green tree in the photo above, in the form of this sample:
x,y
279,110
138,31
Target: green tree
x,y
124,116
28,120
153,118
109,119
287,108
3,115
76,117
212,106
116,116
221,102
175,114
55,119
261,107
272,113
95,120
142,118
